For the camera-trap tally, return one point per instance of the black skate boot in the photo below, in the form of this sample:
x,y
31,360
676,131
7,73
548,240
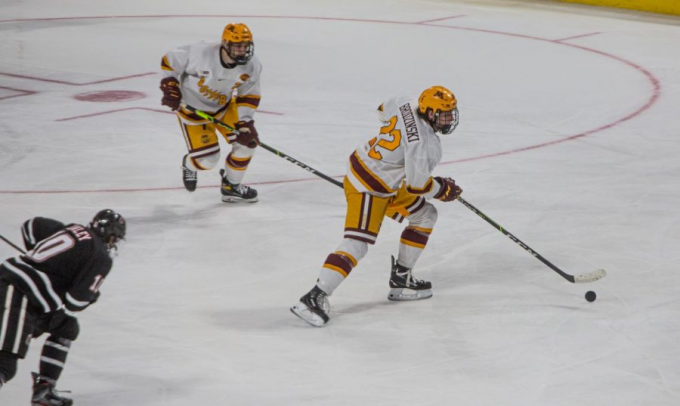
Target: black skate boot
x,y
44,393
313,307
189,177
232,193
402,280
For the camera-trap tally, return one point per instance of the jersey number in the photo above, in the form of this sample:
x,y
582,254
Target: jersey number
x,y
98,280
383,141
52,246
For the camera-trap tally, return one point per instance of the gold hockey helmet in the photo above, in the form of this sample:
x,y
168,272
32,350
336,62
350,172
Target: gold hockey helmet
x,y
237,41
437,98
443,104
237,33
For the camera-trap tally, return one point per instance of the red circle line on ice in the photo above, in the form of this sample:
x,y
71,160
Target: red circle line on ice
x,y
652,98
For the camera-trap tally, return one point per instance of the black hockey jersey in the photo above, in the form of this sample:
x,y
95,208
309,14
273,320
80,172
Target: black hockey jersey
x,y
65,265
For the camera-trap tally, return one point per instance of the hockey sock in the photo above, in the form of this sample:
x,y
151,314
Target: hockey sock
x,y
53,357
339,264
237,162
412,243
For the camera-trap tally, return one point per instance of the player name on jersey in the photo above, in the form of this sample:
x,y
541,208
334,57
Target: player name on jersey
x,y
410,123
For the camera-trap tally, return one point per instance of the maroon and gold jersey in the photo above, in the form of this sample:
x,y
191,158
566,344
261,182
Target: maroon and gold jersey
x,y
406,150
209,86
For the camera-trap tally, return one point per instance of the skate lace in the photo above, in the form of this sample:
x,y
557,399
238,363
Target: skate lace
x,y
408,278
242,189
321,302
189,174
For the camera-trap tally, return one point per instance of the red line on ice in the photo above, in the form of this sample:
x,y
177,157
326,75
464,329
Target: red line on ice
x,y
656,87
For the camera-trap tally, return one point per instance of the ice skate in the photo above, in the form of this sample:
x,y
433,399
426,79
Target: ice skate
x,y
313,307
405,287
232,193
44,393
189,177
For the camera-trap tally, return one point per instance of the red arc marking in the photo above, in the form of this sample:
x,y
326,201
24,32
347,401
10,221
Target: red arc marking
x,y
656,92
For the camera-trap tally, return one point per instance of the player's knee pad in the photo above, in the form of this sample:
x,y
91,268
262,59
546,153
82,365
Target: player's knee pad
x,y
355,248
425,217
64,327
8,366
202,160
242,151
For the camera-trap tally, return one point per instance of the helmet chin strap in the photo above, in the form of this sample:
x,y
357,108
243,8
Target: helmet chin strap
x,y
227,64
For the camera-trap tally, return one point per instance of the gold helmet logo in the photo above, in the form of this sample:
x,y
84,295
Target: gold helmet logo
x,y
437,98
237,33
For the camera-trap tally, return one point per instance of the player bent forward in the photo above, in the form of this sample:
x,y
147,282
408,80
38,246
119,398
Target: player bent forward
x,y
65,266
391,175
223,80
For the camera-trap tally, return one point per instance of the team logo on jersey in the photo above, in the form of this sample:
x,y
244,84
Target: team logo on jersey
x,y
410,123
244,77
211,94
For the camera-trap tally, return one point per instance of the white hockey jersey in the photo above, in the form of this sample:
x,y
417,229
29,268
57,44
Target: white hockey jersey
x,y
407,150
207,85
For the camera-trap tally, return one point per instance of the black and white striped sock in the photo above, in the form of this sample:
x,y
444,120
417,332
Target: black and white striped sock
x,y
53,357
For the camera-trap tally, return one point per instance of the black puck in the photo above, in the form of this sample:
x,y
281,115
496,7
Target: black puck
x,y
590,296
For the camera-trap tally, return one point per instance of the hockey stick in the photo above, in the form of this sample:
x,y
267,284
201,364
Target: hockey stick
x,y
585,278
12,244
265,146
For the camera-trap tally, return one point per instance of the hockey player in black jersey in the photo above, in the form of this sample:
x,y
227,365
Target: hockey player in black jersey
x,y
64,267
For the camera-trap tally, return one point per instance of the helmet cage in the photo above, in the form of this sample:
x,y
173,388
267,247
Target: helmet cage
x,y
110,227
243,59
440,123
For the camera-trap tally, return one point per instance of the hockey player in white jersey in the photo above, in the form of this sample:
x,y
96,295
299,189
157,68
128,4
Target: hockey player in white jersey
x,y
223,80
391,175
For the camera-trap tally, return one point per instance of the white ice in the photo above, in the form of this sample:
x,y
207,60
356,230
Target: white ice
x,y
569,137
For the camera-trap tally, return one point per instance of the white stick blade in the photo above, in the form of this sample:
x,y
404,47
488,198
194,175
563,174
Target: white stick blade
x,y
590,277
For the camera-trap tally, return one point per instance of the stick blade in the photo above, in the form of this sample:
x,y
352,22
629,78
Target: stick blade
x,y
590,277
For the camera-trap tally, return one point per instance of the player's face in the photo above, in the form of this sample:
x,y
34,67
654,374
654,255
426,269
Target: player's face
x,y
239,52
446,121
236,50
239,49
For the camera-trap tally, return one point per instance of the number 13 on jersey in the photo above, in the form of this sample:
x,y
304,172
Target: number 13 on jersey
x,y
389,139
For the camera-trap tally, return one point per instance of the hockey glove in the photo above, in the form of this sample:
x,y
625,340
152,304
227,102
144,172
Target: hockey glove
x,y
62,325
449,191
171,93
247,134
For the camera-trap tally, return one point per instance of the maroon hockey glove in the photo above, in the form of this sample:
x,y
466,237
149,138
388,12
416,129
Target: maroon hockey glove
x,y
449,191
247,134
171,93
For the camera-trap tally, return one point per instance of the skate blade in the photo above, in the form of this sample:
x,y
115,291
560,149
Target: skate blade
x,y
403,295
307,315
232,199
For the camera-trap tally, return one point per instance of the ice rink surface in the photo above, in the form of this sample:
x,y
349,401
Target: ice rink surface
x,y
569,137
